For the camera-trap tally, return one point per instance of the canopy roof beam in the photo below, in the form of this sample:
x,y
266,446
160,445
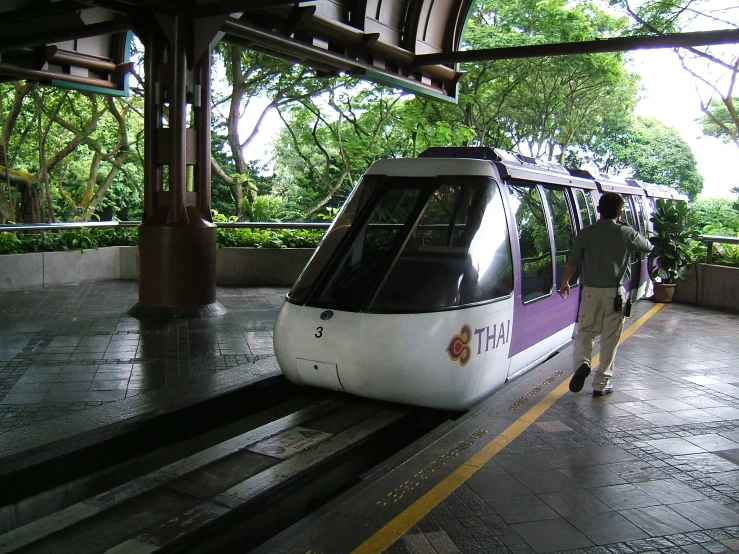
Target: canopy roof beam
x,y
617,44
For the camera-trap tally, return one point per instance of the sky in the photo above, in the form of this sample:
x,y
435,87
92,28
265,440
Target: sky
x,y
670,96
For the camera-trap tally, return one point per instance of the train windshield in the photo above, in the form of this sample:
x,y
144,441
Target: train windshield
x,y
415,244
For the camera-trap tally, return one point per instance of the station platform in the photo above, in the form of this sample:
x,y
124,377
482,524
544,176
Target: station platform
x,y
653,467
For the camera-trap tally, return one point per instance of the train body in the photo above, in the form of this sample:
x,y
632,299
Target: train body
x,y
436,282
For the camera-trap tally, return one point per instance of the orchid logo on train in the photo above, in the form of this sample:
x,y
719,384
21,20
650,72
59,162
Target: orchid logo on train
x,y
436,282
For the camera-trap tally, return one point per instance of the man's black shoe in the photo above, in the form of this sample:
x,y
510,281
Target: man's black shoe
x,y
607,390
578,379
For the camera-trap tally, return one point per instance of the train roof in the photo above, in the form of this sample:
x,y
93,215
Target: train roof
x,y
417,167
658,191
518,166
512,165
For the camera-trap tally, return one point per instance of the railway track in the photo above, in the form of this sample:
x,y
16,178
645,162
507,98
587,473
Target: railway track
x,y
227,473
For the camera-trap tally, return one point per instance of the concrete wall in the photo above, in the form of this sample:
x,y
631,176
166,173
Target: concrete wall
x,y
18,271
714,286
234,266
129,262
260,266
77,266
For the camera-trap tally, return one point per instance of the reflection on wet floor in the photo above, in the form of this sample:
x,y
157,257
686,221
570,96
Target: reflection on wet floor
x,y
71,347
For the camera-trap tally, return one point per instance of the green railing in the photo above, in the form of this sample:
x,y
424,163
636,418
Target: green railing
x,y
710,240
24,227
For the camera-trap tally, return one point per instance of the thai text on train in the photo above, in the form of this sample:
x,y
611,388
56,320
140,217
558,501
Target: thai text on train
x,y
500,335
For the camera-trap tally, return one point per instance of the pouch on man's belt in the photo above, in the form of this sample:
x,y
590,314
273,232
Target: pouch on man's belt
x,y
618,303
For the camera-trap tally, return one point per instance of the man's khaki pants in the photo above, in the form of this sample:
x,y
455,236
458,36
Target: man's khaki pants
x,y
596,317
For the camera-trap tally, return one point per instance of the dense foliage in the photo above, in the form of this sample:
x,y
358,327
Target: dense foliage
x,y
72,239
89,238
717,217
671,253
67,155
653,152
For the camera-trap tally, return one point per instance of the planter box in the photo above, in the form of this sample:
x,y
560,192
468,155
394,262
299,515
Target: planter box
x,y
714,286
260,266
43,269
234,266
19,271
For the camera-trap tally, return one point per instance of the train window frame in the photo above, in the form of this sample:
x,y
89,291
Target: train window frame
x,y
547,221
340,232
641,215
365,213
592,217
573,219
628,211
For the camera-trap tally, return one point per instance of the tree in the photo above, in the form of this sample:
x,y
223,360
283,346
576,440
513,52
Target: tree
x,y
714,69
543,106
719,121
715,216
651,151
62,151
328,142
252,76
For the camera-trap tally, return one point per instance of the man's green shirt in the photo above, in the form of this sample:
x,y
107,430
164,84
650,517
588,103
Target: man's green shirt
x,y
604,249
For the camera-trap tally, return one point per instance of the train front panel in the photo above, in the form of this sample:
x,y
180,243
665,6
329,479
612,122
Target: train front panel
x,y
447,360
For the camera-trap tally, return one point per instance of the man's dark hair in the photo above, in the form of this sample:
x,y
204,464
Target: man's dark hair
x,y
610,204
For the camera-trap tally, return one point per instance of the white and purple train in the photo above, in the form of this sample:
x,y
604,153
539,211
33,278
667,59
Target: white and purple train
x,y
436,282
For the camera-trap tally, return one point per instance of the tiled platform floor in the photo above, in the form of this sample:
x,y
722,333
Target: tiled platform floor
x,y
653,467
69,348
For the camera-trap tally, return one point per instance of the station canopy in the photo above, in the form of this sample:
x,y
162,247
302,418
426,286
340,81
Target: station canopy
x,y
410,44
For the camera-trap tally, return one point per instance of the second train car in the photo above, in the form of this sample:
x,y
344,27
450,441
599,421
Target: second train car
x,y
436,282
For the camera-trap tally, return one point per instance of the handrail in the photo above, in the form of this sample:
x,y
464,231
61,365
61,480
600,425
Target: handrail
x,y
710,239
67,225
105,224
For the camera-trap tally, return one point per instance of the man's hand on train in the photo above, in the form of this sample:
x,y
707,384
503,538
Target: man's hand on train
x,y
564,290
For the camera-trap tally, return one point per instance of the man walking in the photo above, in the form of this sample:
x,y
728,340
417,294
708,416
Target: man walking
x,y
604,249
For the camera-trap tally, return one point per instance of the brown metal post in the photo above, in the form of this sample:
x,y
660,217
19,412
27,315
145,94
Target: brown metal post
x,y
178,124
152,119
177,240
202,127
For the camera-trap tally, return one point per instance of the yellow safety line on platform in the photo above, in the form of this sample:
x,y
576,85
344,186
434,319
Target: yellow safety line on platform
x,y
394,529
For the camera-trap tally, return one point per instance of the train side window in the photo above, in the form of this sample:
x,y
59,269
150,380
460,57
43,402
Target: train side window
x,y
586,214
564,230
533,240
627,213
489,266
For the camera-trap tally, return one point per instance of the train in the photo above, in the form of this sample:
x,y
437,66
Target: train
x,y
436,283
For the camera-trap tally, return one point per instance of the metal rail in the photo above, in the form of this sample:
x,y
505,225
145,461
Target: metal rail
x,y
710,239
110,224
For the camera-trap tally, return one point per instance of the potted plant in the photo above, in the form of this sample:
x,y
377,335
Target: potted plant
x,y
671,254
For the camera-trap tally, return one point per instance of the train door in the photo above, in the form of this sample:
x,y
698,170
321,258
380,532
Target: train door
x,y
630,214
641,279
543,218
